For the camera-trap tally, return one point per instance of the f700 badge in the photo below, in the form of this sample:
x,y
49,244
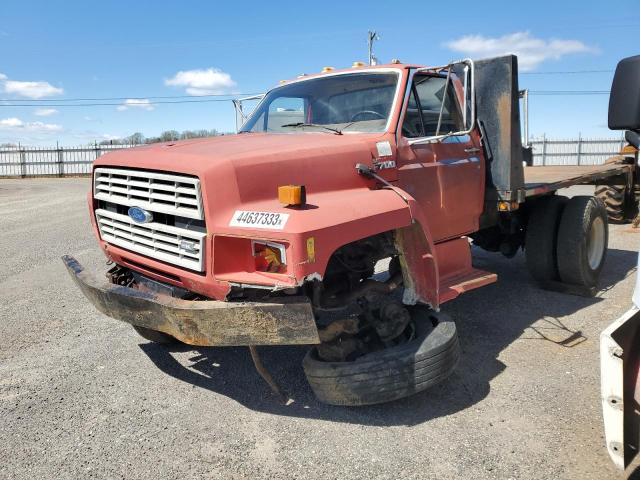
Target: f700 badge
x,y
384,165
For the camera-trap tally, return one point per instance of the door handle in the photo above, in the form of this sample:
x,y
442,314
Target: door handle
x,y
471,150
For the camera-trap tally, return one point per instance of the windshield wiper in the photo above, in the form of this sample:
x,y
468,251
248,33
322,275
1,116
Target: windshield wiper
x,y
302,124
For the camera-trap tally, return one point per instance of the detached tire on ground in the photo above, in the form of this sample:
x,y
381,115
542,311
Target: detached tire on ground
x,y
155,336
583,237
392,373
616,202
540,241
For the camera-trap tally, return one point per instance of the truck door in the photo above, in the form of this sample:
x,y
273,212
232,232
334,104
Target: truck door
x,y
446,177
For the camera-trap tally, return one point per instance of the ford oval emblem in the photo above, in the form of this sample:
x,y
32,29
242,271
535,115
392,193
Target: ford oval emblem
x,y
140,215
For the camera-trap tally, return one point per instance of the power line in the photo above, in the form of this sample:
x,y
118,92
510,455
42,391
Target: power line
x,y
100,104
566,72
110,104
127,98
568,92
108,101
42,102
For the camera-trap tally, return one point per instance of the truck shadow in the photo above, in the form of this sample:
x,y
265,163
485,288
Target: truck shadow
x,y
488,319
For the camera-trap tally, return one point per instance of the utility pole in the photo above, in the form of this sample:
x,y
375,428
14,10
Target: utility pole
x,y
524,94
372,37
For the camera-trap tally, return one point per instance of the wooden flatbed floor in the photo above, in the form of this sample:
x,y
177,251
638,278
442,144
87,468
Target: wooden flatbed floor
x,y
541,180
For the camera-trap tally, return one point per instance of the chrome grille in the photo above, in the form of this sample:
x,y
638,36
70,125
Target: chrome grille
x,y
177,246
157,192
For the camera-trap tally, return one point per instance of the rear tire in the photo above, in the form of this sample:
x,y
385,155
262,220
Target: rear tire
x,y
155,336
540,241
392,373
583,237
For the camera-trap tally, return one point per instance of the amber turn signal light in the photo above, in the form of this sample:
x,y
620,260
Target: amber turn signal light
x,y
269,257
292,194
507,206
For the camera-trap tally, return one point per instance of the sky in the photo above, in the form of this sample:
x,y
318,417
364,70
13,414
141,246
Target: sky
x,y
137,51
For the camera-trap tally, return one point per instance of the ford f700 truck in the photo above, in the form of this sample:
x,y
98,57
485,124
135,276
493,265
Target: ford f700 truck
x,y
272,236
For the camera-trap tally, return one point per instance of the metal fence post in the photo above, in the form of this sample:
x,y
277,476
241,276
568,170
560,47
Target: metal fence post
x,y
579,146
23,161
544,149
60,160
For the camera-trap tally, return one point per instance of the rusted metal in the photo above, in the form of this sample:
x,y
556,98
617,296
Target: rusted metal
x,y
281,321
394,318
265,374
365,287
340,349
349,325
497,97
542,180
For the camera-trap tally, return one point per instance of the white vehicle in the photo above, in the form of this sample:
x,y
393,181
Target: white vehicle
x,y
620,341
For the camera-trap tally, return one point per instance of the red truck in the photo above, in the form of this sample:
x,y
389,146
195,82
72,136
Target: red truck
x,y
272,236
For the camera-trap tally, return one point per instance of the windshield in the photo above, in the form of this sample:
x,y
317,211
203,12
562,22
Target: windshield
x,y
354,102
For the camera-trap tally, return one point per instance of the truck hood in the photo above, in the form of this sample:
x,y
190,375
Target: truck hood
x,y
248,167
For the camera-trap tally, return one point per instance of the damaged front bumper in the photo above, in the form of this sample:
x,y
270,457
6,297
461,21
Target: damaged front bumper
x,y
281,321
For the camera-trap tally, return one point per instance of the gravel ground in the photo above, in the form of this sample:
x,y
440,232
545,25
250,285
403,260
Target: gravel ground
x,y
82,396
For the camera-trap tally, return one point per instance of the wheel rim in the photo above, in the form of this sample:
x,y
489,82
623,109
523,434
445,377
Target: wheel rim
x,y
595,243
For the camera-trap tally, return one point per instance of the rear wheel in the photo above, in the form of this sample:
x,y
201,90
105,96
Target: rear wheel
x,y
155,336
394,372
540,241
583,237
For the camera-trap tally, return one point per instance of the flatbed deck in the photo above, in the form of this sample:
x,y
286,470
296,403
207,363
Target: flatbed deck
x,y
542,180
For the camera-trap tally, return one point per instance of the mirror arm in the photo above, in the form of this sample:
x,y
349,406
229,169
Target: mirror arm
x,y
444,99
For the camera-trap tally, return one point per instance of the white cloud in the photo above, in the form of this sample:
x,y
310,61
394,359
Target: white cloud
x,y
45,112
43,127
31,89
141,103
11,122
16,125
2,77
211,81
91,136
531,51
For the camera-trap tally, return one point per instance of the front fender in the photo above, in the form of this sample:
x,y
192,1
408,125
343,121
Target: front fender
x,y
362,213
335,219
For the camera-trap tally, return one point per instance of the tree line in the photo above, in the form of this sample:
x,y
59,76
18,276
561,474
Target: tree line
x,y
166,136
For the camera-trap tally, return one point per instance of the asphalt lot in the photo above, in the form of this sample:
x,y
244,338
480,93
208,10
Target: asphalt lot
x,y
82,396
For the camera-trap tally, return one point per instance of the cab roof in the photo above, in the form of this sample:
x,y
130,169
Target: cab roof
x,y
363,68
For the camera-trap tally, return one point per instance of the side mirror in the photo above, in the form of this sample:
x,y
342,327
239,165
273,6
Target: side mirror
x,y
633,138
624,102
241,110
